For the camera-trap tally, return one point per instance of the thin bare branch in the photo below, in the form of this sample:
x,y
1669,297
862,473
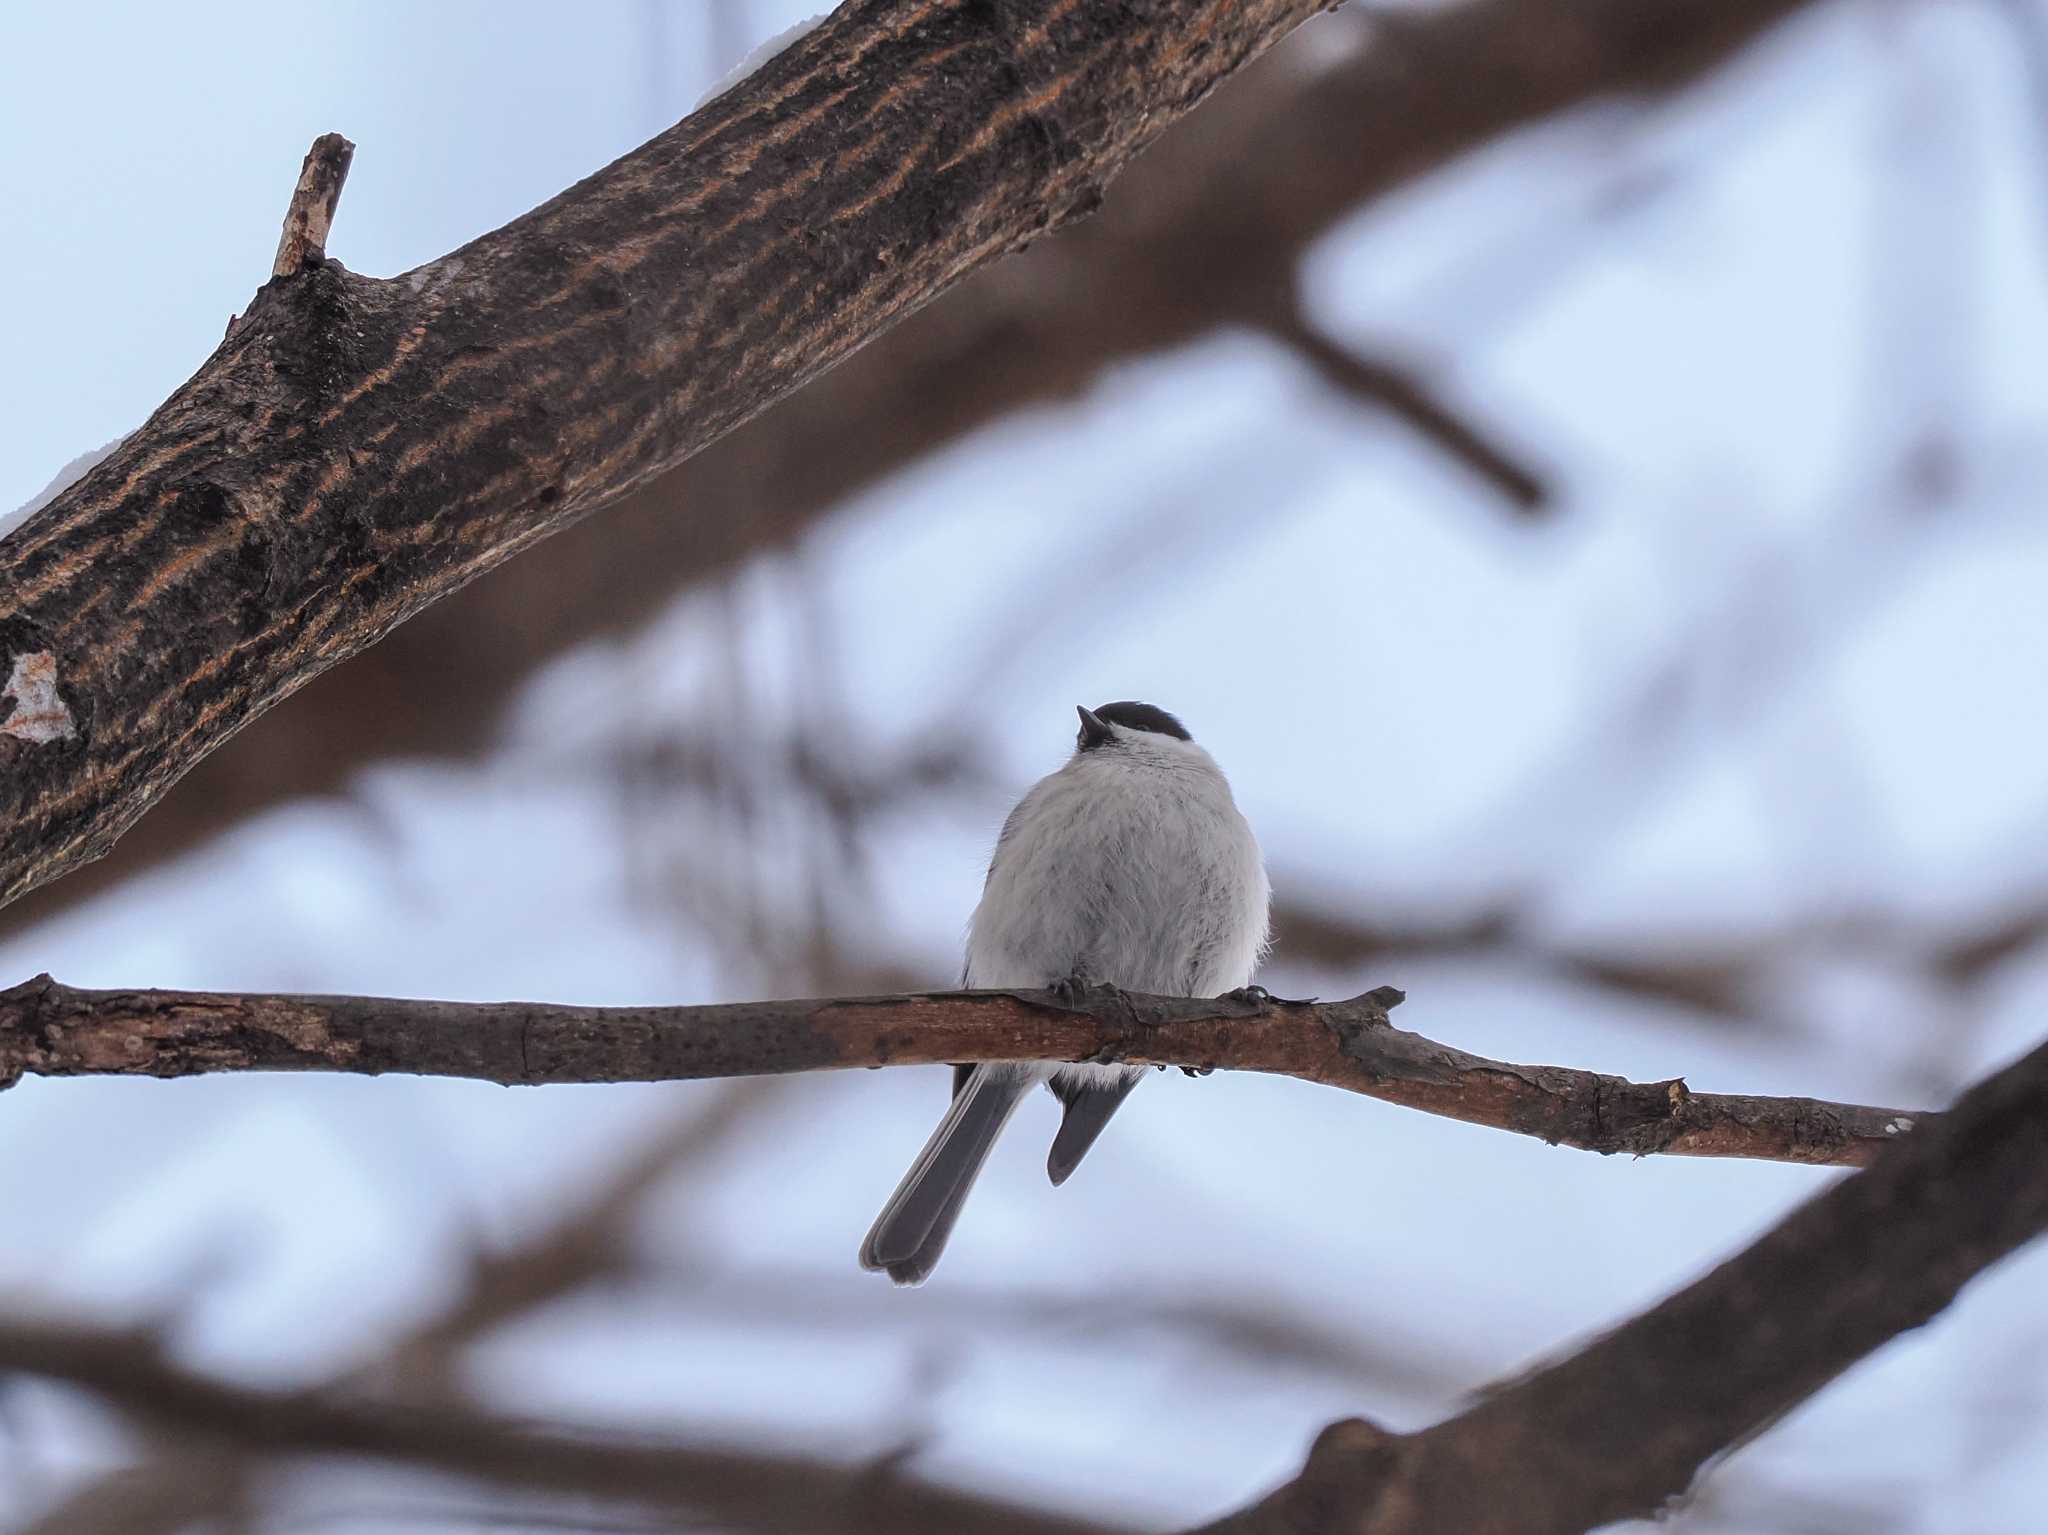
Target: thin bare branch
x,y
56,1030
586,1245
1403,394
581,1247
1254,1329
743,1490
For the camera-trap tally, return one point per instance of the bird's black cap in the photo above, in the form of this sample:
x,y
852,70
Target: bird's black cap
x,y
1132,716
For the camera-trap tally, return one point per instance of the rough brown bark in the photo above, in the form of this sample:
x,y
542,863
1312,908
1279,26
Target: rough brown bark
x,y
55,1030
357,448
1627,1422
1167,260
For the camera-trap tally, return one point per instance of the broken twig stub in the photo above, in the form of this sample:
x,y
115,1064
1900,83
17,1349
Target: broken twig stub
x,y
311,213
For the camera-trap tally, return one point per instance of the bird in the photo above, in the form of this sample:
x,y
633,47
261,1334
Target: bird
x,y
1131,866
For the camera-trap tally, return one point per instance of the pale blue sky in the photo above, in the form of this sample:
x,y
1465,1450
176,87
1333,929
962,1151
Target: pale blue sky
x,y
147,153
1720,320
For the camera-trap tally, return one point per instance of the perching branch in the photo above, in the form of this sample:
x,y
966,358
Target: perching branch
x,y
55,1030
1626,1423
356,448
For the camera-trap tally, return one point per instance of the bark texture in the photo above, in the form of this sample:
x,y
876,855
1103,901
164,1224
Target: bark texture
x,y
357,448
1168,260
54,1030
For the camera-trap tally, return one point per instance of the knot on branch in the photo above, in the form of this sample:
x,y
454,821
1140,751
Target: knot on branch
x,y
1356,1023
21,1010
1639,1118
1352,1465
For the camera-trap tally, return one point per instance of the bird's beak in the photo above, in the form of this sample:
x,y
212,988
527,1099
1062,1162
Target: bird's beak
x,y
1093,727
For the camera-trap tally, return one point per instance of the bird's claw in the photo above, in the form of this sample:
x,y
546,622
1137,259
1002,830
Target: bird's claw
x,y
1258,996
1076,990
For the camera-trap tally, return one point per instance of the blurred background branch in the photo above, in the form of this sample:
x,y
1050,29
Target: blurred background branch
x,y
1616,620
1623,1426
1608,1433
737,1489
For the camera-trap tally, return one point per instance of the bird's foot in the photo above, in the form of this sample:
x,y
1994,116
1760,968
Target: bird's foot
x,y
1258,996
1077,990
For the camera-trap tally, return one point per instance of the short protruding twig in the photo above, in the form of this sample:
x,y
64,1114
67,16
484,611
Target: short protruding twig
x,y
1403,394
311,214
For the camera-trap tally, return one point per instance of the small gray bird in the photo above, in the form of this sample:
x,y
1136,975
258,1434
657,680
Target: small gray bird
x,y
1130,866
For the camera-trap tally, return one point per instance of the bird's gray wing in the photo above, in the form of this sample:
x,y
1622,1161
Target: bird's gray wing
x,y
1010,824
1090,1103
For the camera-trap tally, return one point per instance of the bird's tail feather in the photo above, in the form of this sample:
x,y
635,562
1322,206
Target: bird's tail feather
x,y
1089,1106
911,1231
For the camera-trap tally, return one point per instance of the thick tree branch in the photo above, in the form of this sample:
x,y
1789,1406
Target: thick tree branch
x,y
1172,255
357,448
1626,1423
56,1030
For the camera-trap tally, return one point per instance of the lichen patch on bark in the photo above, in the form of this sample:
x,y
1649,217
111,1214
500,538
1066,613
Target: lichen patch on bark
x,y
40,716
